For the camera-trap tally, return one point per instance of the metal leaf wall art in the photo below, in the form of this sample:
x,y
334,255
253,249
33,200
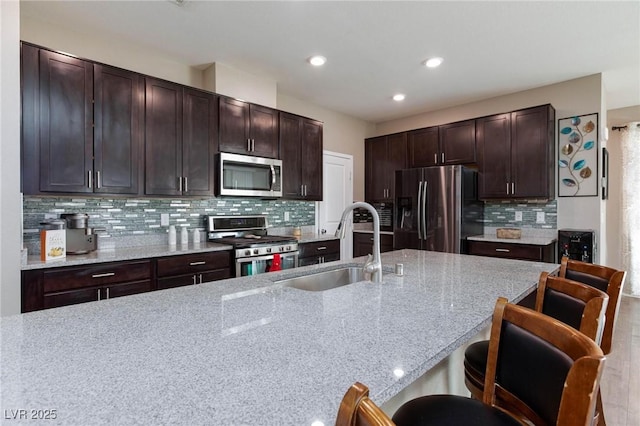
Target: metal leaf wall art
x,y
578,156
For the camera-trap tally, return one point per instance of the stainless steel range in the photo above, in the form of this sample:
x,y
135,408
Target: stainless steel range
x,y
254,250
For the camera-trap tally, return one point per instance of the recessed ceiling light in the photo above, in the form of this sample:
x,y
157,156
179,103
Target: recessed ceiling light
x,y
317,60
433,62
398,97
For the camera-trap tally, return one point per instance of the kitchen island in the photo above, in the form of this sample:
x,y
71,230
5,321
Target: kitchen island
x,y
248,350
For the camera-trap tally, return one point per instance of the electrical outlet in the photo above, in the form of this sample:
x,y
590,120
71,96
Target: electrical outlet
x,y
540,217
518,216
286,216
164,219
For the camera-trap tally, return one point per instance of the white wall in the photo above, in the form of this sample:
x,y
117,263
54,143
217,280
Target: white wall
x,y
239,84
342,133
10,158
569,98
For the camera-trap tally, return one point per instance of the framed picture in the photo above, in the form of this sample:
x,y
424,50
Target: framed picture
x,y
578,156
605,173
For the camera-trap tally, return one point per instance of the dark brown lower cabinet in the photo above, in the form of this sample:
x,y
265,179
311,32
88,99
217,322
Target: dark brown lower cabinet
x,y
190,269
513,250
318,252
363,243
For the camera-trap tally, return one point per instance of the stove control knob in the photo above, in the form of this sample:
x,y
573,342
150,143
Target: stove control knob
x,y
256,251
247,252
268,249
281,248
288,248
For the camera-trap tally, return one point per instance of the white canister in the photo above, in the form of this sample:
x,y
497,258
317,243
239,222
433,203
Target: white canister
x,y
196,236
172,235
184,236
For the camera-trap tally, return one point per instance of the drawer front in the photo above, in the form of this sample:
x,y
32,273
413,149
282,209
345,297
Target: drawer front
x,y
191,279
315,260
126,289
95,275
192,263
319,248
508,251
71,297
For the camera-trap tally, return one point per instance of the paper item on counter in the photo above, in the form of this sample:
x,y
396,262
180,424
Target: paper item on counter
x,y
53,244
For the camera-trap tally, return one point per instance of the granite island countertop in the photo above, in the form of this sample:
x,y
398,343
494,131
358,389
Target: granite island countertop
x,y
247,350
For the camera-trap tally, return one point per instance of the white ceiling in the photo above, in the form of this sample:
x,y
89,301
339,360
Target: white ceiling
x,y
375,49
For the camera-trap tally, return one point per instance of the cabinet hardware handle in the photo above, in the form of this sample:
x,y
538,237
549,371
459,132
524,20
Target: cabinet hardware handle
x,y
202,262
503,250
107,292
249,145
90,174
98,294
253,144
322,259
513,188
443,158
106,274
507,188
98,180
194,280
180,183
371,239
435,158
200,278
186,186
301,189
321,248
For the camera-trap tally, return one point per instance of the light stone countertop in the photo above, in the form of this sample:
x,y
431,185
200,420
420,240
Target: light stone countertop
x,y
124,253
535,241
247,351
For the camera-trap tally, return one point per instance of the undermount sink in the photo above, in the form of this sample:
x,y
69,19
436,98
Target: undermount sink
x,y
327,280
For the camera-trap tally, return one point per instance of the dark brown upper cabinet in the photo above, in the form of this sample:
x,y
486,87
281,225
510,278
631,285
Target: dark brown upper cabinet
x,y
383,156
81,125
247,128
515,154
180,131
453,143
301,155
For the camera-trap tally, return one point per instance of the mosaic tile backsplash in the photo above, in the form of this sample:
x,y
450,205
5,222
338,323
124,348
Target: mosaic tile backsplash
x,y
503,214
127,217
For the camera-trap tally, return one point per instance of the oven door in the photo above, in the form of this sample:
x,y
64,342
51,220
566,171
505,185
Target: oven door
x,y
260,264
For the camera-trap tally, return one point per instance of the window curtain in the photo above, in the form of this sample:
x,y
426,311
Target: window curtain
x,y
631,206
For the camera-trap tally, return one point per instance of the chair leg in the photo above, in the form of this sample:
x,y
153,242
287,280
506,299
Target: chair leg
x,y
600,410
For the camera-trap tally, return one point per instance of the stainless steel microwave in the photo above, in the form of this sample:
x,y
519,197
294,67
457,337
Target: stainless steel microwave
x,y
247,176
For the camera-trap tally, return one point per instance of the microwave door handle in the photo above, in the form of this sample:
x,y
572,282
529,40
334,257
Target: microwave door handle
x,y
273,177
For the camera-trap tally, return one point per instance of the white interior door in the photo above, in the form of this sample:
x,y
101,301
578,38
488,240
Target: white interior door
x,y
337,194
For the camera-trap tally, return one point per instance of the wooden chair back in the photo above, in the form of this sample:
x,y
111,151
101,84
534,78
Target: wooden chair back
x,y
576,304
356,409
561,366
607,279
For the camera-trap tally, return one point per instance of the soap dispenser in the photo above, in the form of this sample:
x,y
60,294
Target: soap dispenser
x,y
184,236
172,235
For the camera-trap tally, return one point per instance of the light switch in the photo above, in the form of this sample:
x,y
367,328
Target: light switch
x,y
164,219
518,217
286,216
540,217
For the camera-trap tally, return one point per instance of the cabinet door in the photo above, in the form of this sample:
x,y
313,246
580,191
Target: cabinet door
x,y
291,155
66,118
375,152
117,132
163,137
199,142
312,159
72,297
397,160
458,143
531,153
234,126
422,147
494,153
127,289
264,131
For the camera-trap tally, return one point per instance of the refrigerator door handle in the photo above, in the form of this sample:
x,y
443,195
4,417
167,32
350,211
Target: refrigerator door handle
x,y
425,209
419,210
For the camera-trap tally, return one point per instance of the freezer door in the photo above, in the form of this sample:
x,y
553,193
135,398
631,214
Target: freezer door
x,y
442,212
408,210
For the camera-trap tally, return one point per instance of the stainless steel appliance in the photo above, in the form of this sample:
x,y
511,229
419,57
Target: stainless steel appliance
x,y
243,175
437,208
80,237
254,250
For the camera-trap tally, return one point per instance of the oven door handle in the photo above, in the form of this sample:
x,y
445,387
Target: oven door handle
x,y
267,257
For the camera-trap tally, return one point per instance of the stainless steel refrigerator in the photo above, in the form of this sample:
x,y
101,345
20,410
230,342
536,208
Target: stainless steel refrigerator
x,y
437,208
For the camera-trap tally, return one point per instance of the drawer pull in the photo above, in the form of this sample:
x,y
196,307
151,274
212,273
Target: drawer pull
x,y
106,274
321,248
503,250
197,263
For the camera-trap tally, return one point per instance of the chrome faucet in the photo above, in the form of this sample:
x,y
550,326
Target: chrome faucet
x,y
373,265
